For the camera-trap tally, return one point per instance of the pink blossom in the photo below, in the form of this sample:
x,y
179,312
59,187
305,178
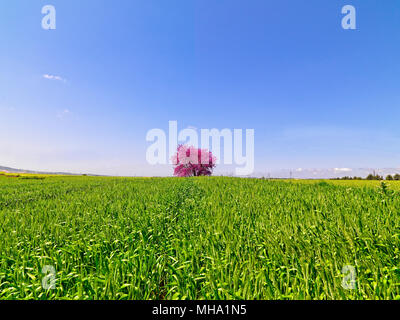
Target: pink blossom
x,y
190,161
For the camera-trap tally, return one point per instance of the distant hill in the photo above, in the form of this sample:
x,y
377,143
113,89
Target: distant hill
x,y
326,173
299,173
13,170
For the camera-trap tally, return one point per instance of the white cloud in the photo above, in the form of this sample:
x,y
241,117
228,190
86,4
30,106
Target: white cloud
x,y
342,169
54,77
63,113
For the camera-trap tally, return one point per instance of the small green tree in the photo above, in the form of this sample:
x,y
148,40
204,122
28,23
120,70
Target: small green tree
x,y
389,177
396,176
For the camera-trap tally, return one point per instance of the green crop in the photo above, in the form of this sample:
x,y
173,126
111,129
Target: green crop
x,y
198,238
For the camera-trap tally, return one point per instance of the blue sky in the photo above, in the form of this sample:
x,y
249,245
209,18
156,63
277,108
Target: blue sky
x,y
317,96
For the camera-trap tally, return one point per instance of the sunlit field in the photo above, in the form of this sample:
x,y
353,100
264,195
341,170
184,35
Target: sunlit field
x,y
198,238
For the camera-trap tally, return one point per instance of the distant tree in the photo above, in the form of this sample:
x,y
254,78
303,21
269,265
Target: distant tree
x,y
396,176
193,162
389,177
374,177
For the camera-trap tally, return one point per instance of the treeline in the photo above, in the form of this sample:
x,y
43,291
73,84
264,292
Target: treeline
x,y
372,177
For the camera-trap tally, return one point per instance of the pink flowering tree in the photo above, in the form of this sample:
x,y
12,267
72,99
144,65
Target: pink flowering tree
x,y
193,162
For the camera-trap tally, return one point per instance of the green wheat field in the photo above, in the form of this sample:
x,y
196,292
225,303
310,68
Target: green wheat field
x,y
198,238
